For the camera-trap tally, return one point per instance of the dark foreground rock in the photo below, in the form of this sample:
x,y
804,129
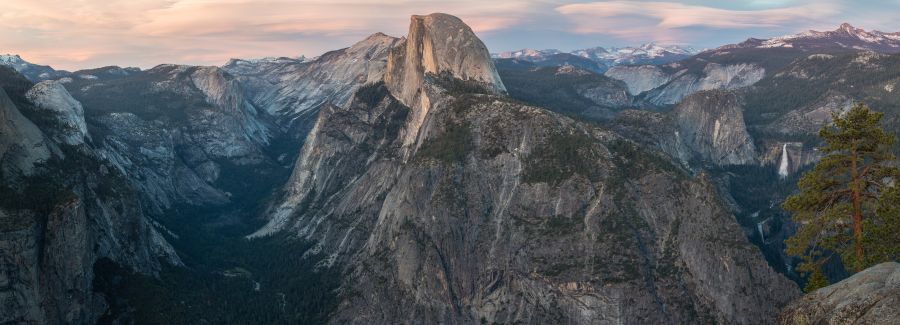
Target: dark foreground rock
x,y
868,297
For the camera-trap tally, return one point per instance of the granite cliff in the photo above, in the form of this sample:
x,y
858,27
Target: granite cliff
x,y
63,208
440,200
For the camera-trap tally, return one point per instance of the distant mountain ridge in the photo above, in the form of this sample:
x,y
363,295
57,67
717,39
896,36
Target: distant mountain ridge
x,y
33,72
845,36
649,53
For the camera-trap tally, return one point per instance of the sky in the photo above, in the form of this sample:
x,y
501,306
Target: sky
x,y
79,34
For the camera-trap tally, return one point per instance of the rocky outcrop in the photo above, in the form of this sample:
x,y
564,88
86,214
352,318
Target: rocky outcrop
x,y
231,128
813,116
436,44
639,78
566,89
597,93
294,90
52,98
868,297
502,212
22,144
148,154
712,124
428,244
184,130
62,208
713,77
673,83
654,129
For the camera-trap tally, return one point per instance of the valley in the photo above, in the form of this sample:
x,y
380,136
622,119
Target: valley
x,y
422,179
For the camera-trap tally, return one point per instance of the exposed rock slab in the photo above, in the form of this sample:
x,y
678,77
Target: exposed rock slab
x,y
22,144
53,98
868,297
439,43
712,124
639,78
293,90
63,207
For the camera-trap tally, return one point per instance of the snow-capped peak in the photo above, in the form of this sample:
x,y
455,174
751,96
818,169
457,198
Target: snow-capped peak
x,y
33,72
526,53
845,36
645,53
13,60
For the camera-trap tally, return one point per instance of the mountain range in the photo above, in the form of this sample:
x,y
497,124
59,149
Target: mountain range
x,y
845,36
599,59
421,179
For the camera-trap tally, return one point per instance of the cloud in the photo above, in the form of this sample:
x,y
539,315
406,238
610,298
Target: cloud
x,y
618,18
79,34
89,33
204,17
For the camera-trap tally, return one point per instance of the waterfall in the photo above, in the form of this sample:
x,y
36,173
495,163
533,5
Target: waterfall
x,y
783,166
759,227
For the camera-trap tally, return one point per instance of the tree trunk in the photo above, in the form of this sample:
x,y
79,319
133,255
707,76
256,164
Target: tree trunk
x,y
857,213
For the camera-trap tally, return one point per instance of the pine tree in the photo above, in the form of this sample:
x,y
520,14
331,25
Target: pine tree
x,y
884,242
836,208
816,280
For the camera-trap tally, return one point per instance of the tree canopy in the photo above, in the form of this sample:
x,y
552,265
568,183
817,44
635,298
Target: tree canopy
x,y
847,206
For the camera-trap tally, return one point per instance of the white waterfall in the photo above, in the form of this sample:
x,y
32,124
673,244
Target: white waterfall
x,y
783,166
759,227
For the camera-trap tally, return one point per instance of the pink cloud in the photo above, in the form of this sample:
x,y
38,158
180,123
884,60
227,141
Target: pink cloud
x,y
88,33
665,18
80,34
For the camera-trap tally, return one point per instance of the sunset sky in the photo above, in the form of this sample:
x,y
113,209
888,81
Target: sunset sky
x,y
75,34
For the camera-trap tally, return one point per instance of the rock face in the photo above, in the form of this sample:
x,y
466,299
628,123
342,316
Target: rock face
x,y
22,145
442,201
438,43
713,77
565,89
712,124
231,128
658,130
294,90
181,132
787,158
639,78
868,297
63,207
52,97
666,88
810,118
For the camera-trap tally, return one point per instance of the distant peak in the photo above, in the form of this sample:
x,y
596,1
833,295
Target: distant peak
x,y
378,36
11,58
375,40
850,29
